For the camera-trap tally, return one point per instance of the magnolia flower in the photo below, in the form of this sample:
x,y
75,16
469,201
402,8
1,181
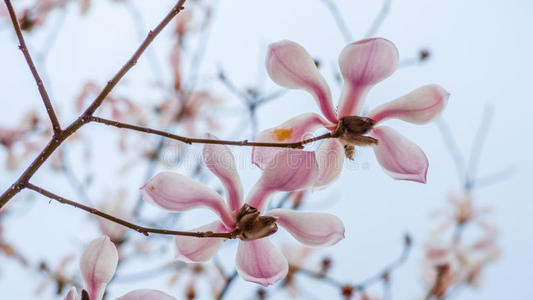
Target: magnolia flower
x,y
363,64
98,265
463,210
257,259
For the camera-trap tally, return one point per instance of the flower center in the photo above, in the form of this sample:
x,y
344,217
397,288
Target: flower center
x,y
252,226
351,132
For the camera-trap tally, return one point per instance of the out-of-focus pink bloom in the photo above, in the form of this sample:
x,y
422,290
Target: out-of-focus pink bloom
x,y
462,211
59,275
194,273
363,64
36,14
192,20
191,110
18,141
98,264
451,263
257,258
115,206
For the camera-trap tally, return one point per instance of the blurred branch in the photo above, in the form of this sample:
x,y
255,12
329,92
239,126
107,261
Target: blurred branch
x,y
40,85
453,148
140,28
251,98
192,81
494,178
229,281
384,274
152,273
339,20
143,230
52,35
378,21
477,146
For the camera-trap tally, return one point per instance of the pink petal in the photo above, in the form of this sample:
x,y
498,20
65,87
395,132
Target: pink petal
x,y
310,228
399,157
192,249
290,66
330,158
363,64
294,130
288,171
259,261
146,294
419,106
72,294
98,264
219,159
175,192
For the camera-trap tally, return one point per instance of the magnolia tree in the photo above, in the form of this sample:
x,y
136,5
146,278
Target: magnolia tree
x,y
292,161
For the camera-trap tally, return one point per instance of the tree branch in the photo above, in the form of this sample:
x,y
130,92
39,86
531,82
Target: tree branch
x,y
144,230
84,118
187,140
40,85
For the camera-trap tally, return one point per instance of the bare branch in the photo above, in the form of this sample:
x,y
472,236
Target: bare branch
x,y
40,85
62,135
187,140
143,230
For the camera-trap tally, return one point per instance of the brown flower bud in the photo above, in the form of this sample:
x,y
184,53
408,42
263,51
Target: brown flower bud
x,y
424,54
253,226
347,291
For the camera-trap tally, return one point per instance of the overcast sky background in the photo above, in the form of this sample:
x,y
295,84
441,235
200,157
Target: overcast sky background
x,y
480,52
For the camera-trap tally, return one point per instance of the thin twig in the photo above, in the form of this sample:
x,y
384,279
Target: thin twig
x,y
390,267
339,20
477,147
225,289
363,285
143,230
151,273
133,60
453,148
40,85
318,275
138,22
187,140
494,178
60,136
378,21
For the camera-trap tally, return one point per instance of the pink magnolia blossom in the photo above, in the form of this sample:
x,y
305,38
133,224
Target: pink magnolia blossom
x,y
363,64
257,259
98,265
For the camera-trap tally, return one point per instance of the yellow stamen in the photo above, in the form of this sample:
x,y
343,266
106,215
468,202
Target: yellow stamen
x,y
282,134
